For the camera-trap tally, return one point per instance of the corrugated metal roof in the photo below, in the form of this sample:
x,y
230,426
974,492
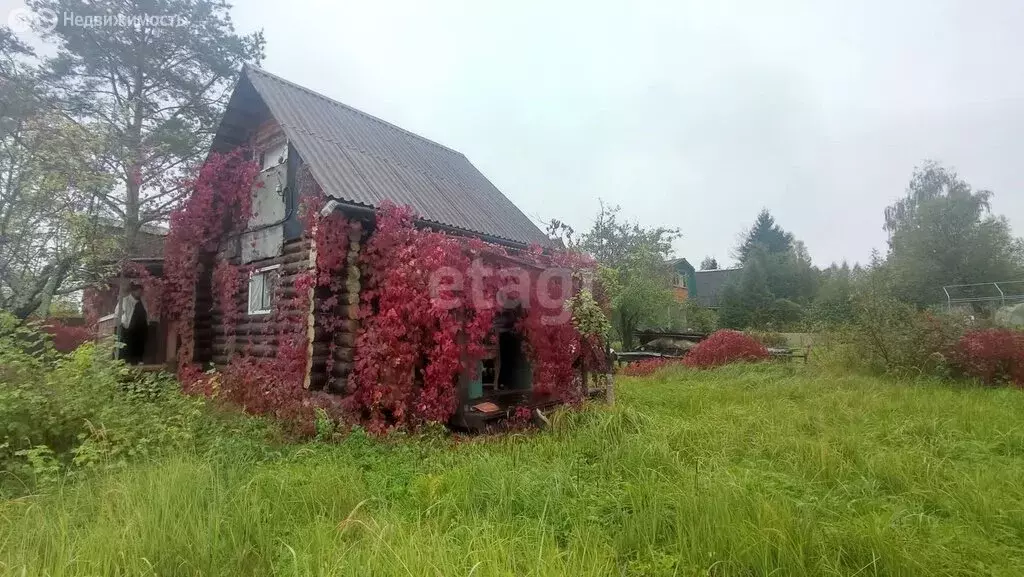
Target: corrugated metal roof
x,y
361,159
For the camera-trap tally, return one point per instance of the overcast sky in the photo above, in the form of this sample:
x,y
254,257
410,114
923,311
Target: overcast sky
x,y
690,114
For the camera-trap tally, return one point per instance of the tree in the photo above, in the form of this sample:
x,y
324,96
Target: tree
x,y
765,234
777,282
709,263
154,89
747,303
834,304
50,176
942,233
633,270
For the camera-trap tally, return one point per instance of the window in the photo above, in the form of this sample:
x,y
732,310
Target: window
x,y
274,155
679,281
261,289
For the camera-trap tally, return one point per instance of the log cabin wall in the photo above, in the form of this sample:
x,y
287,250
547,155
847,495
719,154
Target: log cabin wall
x,y
332,347
281,242
336,339
258,334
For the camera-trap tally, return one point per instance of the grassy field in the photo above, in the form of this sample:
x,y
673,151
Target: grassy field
x,y
773,470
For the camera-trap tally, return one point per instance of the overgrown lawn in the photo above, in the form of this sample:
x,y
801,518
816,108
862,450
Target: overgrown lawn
x,y
768,470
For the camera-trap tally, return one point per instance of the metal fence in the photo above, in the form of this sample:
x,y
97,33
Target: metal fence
x,y
985,293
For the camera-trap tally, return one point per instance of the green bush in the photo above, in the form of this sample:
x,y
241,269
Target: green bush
x,y
892,337
689,315
66,414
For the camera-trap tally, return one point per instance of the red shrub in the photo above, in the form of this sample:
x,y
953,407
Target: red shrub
x,y
725,347
647,366
65,338
992,355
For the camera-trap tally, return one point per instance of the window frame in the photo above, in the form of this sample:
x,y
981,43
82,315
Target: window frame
x,y
267,150
264,272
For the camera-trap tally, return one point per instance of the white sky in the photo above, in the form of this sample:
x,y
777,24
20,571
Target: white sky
x,y
692,114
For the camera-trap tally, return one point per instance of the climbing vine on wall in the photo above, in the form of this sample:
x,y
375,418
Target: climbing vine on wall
x,y
218,207
408,352
421,330
276,384
331,239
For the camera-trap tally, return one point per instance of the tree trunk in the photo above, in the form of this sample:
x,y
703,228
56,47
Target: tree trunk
x,y
56,278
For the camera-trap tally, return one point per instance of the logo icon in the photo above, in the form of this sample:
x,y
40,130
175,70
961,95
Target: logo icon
x,y
22,20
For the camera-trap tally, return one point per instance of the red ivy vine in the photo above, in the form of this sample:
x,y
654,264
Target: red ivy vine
x,y
413,343
409,350
218,207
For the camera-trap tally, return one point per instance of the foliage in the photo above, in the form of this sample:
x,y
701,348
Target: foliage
x,y
153,93
421,329
50,171
408,351
67,338
587,316
709,263
555,347
218,207
777,283
723,347
647,367
276,385
891,336
1010,316
941,210
750,304
765,235
690,315
634,270
834,305
592,326
690,473
992,355
67,414
331,235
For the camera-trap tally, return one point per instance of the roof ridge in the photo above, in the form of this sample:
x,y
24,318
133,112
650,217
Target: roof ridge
x,y
272,76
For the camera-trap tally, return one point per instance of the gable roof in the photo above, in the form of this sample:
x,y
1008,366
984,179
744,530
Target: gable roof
x,y
362,160
675,262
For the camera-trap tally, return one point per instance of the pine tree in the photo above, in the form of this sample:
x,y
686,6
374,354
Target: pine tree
x,y
154,89
765,234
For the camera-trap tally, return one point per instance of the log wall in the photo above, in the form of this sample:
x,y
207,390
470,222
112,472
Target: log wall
x,y
255,335
331,352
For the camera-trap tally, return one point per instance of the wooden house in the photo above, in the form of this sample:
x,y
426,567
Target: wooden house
x,y
308,144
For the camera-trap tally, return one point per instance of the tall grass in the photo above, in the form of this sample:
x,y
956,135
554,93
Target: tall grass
x,y
770,470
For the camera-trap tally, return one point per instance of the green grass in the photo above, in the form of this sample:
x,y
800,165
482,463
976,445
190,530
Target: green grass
x,y
774,470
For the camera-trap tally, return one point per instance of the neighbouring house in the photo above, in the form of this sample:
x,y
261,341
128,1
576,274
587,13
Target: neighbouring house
x,y
701,286
313,148
100,300
682,278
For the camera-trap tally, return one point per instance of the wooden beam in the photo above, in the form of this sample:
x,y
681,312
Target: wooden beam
x,y
311,314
